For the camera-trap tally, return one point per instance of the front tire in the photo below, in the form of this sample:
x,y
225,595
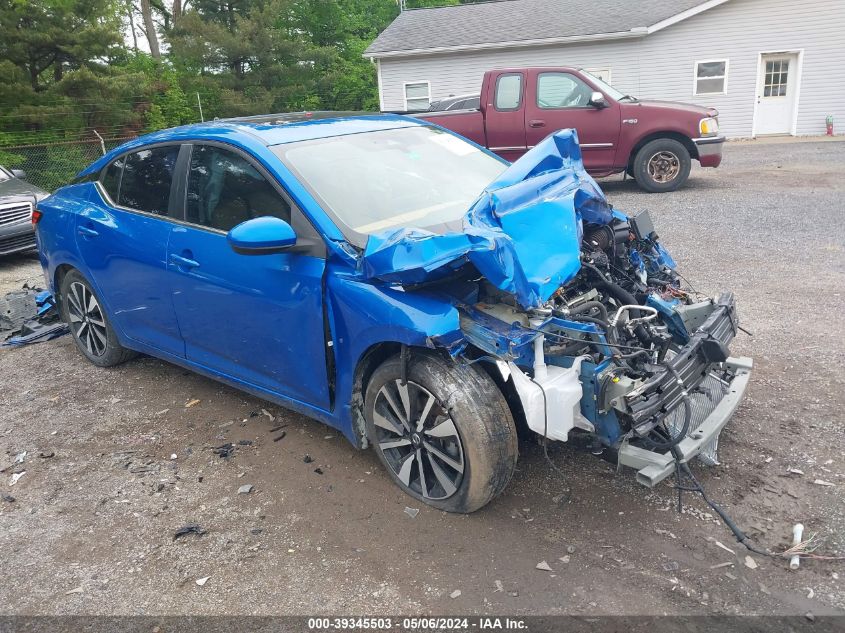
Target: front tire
x,y
447,436
662,165
93,334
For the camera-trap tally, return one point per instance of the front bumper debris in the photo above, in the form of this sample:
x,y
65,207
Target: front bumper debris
x,y
652,467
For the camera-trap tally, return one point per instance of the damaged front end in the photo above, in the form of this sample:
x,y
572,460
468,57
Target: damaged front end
x,y
580,308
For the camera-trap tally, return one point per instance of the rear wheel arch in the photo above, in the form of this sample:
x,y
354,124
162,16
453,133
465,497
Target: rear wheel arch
x,y
58,276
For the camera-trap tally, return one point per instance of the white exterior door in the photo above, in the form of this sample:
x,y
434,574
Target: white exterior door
x,y
777,89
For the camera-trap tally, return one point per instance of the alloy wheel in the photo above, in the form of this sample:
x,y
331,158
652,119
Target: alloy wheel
x,y
418,439
86,319
664,167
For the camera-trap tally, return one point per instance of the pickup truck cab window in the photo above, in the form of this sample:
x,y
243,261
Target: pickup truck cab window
x,y
224,189
508,92
562,90
147,176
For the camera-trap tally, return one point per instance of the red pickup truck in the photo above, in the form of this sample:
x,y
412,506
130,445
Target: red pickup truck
x,y
653,141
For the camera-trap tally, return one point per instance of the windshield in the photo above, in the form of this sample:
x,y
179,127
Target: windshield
x,y
419,177
605,87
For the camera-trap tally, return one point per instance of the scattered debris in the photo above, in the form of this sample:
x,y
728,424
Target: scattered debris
x,y
280,437
245,489
730,575
810,593
308,459
822,482
277,428
269,415
20,457
724,547
564,559
810,616
244,442
256,531
46,454
499,586
72,591
795,471
768,460
16,477
570,549
162,412
173,456
543,566
797,535
224,450
455,594
202,581
750,563
730,563
664,533
192,403
8,498
188,528
318,470
671,566
29,315
412,512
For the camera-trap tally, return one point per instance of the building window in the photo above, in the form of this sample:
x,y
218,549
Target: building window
x,y
417,95
777,72
711,77
600,73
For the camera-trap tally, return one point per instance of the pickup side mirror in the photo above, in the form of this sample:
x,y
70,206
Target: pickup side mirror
x,y
597,100
19,173
261,236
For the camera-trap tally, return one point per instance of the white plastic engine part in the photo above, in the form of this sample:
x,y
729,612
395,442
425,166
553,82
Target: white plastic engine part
x,y
551,400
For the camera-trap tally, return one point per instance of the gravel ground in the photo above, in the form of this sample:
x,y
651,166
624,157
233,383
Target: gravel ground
x,y
91,529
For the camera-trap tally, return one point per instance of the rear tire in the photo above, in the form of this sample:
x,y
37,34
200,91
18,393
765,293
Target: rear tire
x,y
662,165
93,334
459,428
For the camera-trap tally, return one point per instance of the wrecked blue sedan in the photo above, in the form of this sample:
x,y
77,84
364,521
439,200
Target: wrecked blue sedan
x,y
402,285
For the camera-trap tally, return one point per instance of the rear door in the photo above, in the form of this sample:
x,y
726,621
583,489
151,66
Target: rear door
x,y
255,318
504,116
560,100
122,238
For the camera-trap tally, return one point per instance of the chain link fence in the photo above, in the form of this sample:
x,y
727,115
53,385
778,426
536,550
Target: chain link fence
x,y
51,165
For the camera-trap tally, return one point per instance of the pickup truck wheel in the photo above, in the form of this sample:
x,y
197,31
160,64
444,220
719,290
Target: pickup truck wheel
x,y
89,325
446,435
662,165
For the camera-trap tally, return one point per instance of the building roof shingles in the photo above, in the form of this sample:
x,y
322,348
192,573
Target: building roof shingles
x,y
519,20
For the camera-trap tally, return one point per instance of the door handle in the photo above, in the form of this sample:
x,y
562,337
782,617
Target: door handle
x,y
183,262
536,123
87,232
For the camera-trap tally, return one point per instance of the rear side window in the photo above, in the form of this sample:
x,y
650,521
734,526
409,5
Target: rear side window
x,y
508,92
147,175
111,178
224,189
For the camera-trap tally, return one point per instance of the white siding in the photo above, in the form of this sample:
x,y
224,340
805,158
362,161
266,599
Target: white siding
x,y
661,65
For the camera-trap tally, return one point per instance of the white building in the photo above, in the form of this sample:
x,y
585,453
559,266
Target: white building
x,y
769,66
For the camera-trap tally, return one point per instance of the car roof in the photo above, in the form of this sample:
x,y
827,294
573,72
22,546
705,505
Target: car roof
x,y
267,130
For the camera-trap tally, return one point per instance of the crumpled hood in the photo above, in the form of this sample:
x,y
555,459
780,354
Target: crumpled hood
x,y
523,233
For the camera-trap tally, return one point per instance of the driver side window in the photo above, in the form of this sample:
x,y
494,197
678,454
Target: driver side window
x,y
562,90
224,189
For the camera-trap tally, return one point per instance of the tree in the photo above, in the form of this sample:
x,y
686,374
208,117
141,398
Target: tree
x,y
46,39
150,28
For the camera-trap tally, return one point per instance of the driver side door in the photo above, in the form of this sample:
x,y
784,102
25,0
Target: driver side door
x,y
254,318
559,100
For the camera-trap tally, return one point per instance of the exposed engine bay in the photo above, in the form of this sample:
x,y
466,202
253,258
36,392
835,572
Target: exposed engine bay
x,y
581,311
625,352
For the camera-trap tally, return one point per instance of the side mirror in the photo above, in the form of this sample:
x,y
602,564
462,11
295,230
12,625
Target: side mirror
x,y
597,100
261,236
19,173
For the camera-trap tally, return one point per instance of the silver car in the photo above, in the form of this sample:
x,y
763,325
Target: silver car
x,y
17,200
